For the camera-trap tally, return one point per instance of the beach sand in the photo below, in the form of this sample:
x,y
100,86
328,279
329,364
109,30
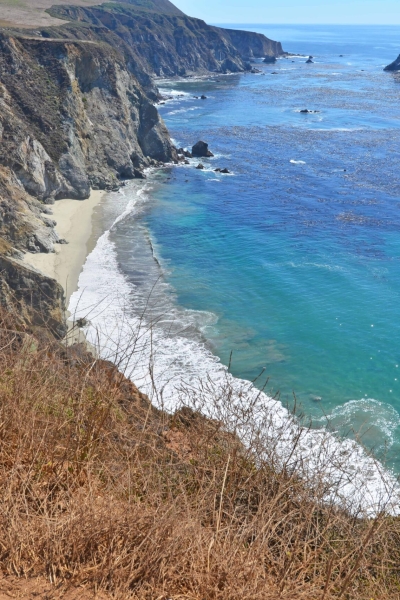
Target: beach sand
x,y
74,224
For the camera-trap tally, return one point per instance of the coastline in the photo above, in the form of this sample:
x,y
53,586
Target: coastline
x,y
74,224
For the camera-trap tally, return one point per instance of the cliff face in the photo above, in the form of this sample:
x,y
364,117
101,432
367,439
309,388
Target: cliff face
x,y
167,45
394,66
72,116
77,112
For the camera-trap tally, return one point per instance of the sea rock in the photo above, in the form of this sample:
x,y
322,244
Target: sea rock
x,y
254,71
270,60
309,61
139,174
394,66
203,97
225,171
217,170
201,149
200,166
307,111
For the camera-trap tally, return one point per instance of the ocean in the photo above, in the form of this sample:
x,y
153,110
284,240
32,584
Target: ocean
x,y
286,270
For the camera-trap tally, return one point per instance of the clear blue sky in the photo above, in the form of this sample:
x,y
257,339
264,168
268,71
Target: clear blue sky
x,y
374,12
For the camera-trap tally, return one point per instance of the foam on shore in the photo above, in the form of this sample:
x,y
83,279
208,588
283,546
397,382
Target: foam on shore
x,y
160,347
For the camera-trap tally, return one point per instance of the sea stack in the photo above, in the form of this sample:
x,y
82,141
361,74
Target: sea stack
x,y
394,66
201,149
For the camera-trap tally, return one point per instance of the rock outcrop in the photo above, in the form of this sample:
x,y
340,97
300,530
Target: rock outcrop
x,y
394,66
270,60
34,300
77,111
161,44
201,149
72,116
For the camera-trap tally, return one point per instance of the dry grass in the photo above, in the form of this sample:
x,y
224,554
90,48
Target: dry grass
x,y
99,488
31,13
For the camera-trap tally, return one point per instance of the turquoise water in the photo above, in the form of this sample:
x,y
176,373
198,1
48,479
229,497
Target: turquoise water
x,y
296,255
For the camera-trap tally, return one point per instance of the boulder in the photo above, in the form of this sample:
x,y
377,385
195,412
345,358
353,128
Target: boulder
x,y
309,61
394,66
270,60
203,97
225,171
200,166
201,149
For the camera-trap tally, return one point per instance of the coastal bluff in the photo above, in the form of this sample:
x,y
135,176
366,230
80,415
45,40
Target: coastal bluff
x,y
77,107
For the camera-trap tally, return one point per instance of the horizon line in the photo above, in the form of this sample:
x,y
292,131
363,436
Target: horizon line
x,y
308,24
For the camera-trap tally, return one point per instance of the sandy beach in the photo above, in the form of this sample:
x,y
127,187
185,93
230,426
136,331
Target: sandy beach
x,y
74,224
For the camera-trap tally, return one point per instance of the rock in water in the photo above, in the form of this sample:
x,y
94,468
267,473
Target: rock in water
x,y
309,61
201,149
225,171
270,60
200,166
139,174
394,66
203,97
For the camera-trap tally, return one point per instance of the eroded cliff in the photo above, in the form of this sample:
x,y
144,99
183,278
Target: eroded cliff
x,y
77,112
167,44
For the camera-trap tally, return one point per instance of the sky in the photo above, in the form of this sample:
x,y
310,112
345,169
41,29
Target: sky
x,y
373,12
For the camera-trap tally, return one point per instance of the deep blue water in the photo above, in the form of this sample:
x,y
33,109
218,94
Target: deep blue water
x,y
297,253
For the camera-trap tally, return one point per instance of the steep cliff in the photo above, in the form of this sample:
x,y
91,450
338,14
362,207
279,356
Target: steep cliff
x,y
167,44
72,116
77,112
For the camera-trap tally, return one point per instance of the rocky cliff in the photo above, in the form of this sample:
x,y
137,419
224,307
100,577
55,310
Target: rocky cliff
x,y
167,44
394,66
77,112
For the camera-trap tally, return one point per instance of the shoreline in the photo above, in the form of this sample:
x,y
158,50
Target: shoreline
x,y
74,224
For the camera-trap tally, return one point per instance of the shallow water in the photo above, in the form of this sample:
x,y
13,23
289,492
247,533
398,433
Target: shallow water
x,y
298,253
289,266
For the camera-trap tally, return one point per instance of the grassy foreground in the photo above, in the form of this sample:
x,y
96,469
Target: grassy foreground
x,y
99,488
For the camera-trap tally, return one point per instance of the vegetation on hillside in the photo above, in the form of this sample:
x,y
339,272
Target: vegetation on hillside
x,y
100,488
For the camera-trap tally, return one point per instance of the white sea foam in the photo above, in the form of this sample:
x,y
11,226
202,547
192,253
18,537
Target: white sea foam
x,y
183,110
370,418
298,162
176,94
163,352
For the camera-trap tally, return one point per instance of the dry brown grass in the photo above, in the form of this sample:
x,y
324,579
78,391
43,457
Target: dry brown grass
x,y
98,488
31,13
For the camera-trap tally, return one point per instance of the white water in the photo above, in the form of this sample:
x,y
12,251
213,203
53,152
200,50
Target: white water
x,y
159,346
